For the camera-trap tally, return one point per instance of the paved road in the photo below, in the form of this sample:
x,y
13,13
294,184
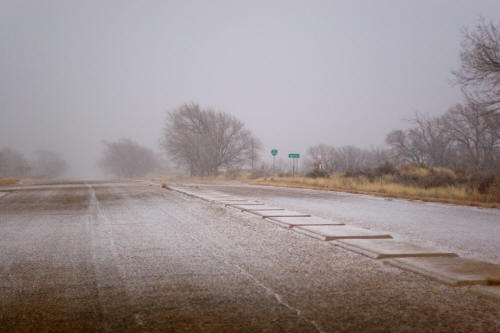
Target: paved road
x,y
469,231
115,257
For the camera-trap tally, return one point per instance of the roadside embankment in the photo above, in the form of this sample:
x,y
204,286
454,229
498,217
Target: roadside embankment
x,y
413,183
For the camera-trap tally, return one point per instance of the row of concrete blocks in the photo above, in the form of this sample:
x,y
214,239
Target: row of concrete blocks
x,y
444,267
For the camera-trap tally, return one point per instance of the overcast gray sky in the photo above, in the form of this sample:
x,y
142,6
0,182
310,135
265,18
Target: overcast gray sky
x,y
73,73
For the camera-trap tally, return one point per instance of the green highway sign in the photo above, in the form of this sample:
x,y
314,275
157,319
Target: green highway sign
x,y
274,152
293,155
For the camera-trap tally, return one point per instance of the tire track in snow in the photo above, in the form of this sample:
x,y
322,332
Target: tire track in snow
x,y
222,243
107,244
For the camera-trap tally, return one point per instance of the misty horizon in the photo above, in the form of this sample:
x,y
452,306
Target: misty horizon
x,y
296,74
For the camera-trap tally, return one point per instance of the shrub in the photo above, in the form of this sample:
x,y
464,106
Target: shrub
x,y
494,191
426,177
385,169
354,173
284,174
481,182
318,173
437,178
258,174
233,173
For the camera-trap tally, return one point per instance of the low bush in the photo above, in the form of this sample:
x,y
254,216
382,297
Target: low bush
x,y
284,174
494,191
233,173
437,178
426,177
255,174
385,169
481,182
355,173
318,173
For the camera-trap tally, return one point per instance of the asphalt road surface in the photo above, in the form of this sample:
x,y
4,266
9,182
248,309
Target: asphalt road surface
x,y
471,232
125,257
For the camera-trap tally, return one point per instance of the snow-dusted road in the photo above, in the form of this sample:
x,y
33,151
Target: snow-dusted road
x,y
97,257
469,231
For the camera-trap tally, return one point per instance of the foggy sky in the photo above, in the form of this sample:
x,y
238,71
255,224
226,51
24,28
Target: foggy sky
x,y
73,73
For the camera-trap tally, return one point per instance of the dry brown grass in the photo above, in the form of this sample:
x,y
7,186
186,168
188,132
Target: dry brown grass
x,y
411,182
384,186
8,181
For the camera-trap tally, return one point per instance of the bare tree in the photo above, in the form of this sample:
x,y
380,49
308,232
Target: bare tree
x,y
13,164
255,146
475,135
327,154
352,158
430,141
127,159
347,158
479,74
404,148
379,156
48,164
206,140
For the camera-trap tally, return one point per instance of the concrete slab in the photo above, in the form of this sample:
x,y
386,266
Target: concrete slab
x,y
289,222
279,213
245,205
182,191
214,199
237,202
220,195
186,191
453,271
331,232
211,196
492,292
256,207
389,248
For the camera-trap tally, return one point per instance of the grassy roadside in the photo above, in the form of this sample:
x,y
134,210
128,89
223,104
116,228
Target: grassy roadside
x,y
8,181
459,195
413,183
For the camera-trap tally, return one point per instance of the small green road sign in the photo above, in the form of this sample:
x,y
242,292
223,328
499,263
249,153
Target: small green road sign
x,y
274,152
293,155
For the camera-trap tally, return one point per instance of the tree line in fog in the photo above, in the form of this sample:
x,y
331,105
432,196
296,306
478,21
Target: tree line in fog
x,y
46,164
203,142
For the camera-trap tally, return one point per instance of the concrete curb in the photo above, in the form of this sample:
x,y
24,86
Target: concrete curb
x,y
328,233
454,271
388,248
404,256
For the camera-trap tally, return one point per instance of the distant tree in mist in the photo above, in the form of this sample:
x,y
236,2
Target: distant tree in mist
x,y
127,159
205,140
426,143
13,164
255,147
404,149
48,164
465,137
346,158
475,136
479,74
